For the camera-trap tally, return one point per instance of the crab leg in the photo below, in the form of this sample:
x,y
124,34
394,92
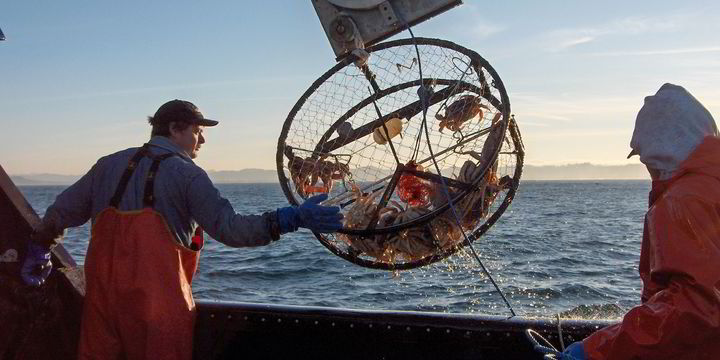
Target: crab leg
x,y
385,198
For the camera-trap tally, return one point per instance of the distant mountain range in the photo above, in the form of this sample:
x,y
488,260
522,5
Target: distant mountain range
x,y
44,179
585,171
220,177
244,176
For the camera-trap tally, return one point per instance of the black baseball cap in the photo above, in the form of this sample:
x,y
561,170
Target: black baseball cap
x,y
181,110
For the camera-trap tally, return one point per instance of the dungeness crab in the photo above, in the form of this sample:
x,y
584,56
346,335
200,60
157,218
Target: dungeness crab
x,y
306,172
361,212
407,244
460,111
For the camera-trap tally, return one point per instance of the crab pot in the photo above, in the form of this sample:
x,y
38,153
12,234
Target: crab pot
x,y
458,111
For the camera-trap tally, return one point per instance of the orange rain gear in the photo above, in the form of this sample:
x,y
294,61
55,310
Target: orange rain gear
x,y
679,317
139,302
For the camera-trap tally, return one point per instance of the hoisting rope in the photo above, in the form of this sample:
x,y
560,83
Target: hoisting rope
x,y
424,94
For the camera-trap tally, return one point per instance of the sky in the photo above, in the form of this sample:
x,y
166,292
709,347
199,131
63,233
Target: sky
x,y
79,78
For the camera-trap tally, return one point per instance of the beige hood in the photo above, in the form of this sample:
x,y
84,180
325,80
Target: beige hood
x,y
668,127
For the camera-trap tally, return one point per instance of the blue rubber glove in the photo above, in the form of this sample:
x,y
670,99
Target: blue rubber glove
x,y
37,265
576,351
310,215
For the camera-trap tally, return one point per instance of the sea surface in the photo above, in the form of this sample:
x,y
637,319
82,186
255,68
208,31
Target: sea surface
x,y
561,247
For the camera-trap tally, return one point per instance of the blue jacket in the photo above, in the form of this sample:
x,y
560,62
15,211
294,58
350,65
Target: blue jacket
x,y
184,195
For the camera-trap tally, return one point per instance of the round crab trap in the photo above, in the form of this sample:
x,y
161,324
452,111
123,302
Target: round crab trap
x,y
414,142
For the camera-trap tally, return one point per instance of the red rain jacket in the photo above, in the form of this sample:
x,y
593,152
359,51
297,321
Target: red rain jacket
x,y
679,317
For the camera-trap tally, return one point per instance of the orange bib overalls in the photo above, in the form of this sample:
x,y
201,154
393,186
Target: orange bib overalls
x,y
139,302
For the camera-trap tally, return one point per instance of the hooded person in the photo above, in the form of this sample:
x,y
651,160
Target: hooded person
x,y
679,317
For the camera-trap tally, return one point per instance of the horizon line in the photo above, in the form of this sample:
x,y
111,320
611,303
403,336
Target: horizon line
x,y
252,168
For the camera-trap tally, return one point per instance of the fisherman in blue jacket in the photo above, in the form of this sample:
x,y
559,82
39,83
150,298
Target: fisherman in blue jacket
x,y
149,206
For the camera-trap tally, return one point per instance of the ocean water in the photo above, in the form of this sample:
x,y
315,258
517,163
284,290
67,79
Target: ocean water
x,y
561,247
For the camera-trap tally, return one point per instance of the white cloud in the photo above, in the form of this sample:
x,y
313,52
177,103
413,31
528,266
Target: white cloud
x,y
681,51
582,134
548,116
571,108
562,39
524,123
639,25
577,41
482,27
485,29
171,87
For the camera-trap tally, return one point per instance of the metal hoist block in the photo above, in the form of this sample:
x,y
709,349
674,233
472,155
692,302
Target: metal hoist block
x,y
356,24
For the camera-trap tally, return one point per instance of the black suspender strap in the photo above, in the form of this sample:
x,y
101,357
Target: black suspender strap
x,y
149,197
120,190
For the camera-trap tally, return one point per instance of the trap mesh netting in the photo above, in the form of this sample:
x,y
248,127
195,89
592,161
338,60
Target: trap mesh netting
x,y
416,145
